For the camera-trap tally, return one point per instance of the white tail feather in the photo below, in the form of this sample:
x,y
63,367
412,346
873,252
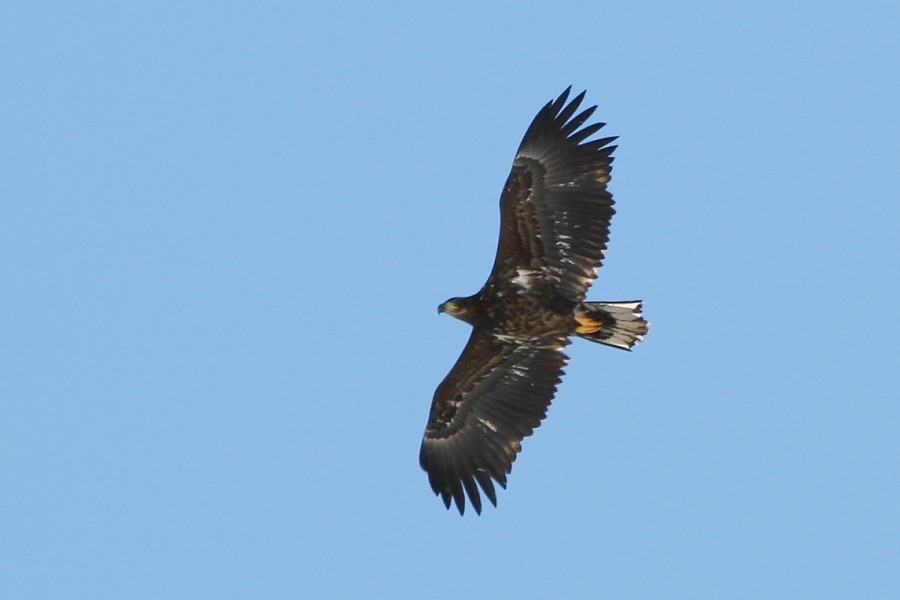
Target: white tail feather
x,y
623,324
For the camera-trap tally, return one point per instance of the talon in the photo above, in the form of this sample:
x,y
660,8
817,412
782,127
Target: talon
x,y
587,325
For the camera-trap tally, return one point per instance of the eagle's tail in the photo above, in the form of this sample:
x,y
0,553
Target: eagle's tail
x,y
617,324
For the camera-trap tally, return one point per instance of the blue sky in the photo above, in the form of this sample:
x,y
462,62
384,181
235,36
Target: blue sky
x,y
225,228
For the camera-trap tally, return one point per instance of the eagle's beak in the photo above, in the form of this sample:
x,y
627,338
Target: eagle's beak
x,y
442,307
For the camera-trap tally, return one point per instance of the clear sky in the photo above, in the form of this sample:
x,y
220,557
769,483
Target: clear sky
x,y
225,229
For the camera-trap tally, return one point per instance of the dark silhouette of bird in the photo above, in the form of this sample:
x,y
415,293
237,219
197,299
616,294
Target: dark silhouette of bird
x,y
555,213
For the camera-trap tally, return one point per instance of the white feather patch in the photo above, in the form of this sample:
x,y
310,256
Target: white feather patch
x,y
487,423
524,278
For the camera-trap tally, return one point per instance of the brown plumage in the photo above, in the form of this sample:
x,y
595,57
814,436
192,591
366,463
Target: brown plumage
x,y
555,213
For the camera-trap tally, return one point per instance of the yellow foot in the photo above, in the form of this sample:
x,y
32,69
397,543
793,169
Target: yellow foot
x,y
587,325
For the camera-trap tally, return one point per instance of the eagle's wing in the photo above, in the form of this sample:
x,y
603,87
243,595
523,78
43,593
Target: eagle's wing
x,y
555,210
496,394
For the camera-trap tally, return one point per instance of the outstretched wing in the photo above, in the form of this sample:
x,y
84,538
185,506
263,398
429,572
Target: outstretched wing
x,y
496,394
555,209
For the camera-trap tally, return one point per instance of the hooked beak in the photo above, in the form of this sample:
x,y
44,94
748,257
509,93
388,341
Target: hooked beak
x,y
442,307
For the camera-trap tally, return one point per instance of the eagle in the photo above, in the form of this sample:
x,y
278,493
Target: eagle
x,y
555,212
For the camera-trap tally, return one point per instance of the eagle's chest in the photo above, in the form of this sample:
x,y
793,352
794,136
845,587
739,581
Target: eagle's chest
x,y
524,316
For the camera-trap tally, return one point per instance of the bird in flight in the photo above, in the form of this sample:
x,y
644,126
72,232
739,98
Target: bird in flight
x,y
555,213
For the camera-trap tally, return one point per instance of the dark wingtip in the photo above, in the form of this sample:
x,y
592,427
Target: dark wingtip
x,y
579,98
558,118
487,485
472,493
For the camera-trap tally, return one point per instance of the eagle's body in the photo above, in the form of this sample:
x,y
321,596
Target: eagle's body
x,y
555,214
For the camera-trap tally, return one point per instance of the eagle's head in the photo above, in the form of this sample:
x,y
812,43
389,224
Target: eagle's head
x,y
463,309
